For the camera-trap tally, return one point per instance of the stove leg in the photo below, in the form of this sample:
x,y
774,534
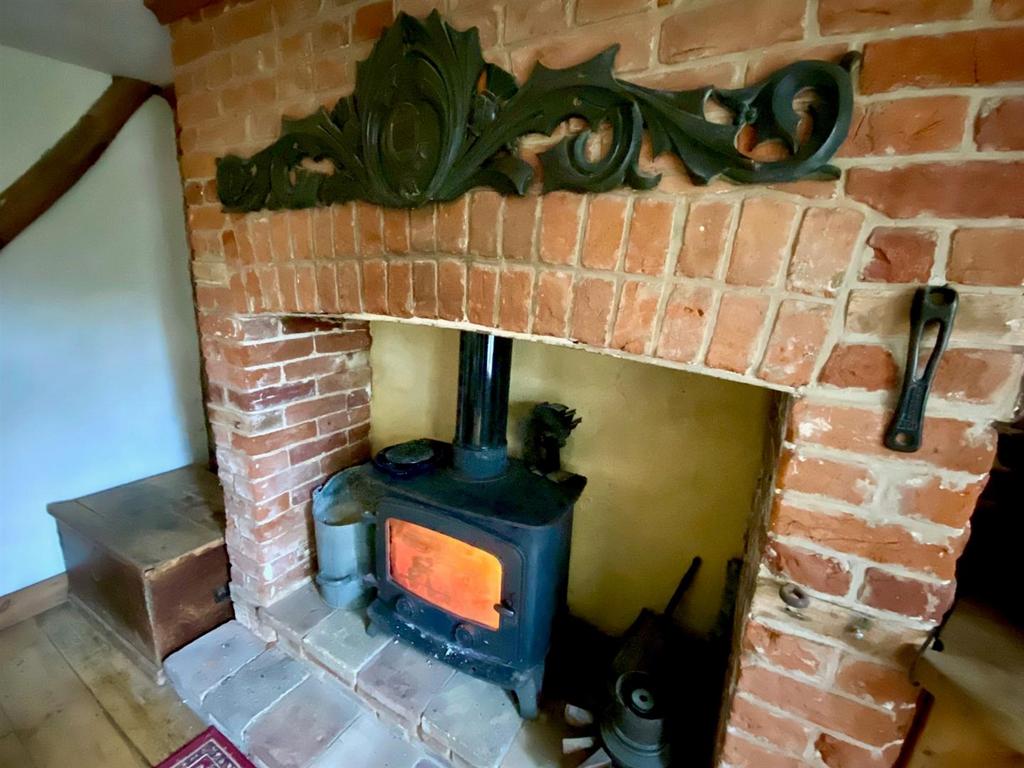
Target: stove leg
x,y
528,692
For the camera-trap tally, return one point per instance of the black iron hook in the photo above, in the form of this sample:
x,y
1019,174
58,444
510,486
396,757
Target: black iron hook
x,y
932,304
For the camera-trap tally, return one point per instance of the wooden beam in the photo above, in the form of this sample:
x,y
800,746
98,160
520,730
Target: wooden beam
x,y
53,174
167,11
33,600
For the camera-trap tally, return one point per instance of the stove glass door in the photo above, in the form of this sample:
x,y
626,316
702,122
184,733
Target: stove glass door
x,y
446,572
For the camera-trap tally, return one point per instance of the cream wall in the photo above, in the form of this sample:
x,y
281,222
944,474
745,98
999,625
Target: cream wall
x,y
99,360
672,460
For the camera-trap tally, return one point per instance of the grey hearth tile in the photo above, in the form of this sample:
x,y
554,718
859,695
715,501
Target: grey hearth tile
x,y
475,719
296,614
305,722
341,644
202,664
239,699
435,748
401,680
369,743
539,743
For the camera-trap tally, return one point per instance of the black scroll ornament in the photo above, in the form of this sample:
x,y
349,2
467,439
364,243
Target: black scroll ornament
x,y
429,120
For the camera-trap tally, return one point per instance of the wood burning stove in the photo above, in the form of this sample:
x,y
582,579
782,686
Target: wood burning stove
x,y
472,548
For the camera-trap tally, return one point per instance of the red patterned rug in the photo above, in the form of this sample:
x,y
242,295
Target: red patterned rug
x,y
210,749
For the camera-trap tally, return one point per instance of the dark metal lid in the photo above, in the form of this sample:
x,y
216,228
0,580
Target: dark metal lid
x,y
409,459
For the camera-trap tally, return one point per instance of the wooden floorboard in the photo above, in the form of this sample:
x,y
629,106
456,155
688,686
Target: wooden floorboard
x,y
13,754
33,600
70,699
954,738
5,724
152,716
55,717
982,665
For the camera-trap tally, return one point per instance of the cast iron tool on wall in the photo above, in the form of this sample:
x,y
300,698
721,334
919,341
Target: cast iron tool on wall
x,y
932,304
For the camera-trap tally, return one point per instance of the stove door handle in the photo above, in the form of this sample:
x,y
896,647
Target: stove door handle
x,y
505,610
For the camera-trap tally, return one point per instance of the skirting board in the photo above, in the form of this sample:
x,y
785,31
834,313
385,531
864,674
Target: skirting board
x,y
33,600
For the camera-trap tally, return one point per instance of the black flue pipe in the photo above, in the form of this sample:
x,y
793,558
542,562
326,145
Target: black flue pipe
x,y
480,446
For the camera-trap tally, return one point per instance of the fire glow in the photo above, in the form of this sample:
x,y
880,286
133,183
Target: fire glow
x,y
451,574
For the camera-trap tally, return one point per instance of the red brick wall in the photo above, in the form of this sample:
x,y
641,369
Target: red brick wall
x,y
801,287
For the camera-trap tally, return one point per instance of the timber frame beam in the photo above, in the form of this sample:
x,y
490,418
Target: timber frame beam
x,y
53,174
167,11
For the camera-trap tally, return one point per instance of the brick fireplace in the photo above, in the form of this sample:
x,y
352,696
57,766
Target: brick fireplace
x,y
802,287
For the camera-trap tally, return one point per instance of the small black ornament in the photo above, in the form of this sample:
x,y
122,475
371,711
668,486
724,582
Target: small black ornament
x,y
547,432
430,120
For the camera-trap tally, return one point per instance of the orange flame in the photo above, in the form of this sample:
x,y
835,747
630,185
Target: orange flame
x,y
444,571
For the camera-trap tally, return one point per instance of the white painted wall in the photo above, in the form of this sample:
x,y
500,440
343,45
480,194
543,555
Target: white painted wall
x,y
120,37
99,361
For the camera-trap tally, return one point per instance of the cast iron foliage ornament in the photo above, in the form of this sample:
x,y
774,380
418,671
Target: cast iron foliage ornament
x,y
429,120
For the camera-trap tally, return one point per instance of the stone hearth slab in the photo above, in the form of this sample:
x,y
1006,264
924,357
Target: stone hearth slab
x,y
198,667
539,744
286,705
253,689
425,696
298,612
307,715
369,743
400,681
304,723
476,720
341,644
